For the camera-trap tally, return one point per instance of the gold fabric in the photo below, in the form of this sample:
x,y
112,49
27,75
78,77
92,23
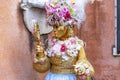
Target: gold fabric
x,y
66,67
62,67
81,55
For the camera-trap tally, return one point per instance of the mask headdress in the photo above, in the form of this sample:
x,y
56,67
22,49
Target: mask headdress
x,y
35,9
66,12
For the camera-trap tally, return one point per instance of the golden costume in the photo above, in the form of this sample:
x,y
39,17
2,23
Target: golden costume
x,y
65,56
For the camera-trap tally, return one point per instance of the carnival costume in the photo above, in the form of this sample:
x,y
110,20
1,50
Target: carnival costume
x,y
66,58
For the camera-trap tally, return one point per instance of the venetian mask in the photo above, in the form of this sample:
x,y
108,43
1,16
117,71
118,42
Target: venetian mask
x,y
60,32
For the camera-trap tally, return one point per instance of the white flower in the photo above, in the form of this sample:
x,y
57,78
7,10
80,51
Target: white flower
x,y
49,51
78,46
86,65
59,54
72,46
60,42
65,58
72,53
67,43
56,48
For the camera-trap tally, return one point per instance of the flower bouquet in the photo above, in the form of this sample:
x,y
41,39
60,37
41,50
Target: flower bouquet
x,y
62,13
84,70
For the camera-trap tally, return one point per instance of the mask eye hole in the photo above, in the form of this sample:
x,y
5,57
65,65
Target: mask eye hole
x,y
55,27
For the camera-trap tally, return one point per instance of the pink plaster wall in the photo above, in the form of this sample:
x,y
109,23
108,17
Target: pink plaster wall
x,y
97,32
15,56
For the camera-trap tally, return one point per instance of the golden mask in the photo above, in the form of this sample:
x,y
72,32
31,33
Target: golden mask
x,y
62,32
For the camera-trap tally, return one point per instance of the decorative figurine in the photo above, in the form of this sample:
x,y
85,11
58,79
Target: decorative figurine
x,y
65,56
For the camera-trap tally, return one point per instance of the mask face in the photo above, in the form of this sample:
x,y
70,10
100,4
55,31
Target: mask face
x,y
60,31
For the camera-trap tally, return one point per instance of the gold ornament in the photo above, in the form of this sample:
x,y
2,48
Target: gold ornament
x,y
41,68
42,64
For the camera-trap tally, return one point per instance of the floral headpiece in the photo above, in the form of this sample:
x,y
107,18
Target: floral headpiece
x,y
65,12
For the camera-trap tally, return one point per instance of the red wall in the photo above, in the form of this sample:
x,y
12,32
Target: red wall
x,y
97,32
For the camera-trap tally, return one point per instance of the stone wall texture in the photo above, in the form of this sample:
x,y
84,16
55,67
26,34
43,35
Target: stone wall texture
x,y
97,31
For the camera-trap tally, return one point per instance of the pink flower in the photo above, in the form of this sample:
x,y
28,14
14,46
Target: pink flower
x,y
65,9
73,41
32,31
83,77
67,15
87,72
63,48
60,14
49,9
56,6
51,43
34,60
53,53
